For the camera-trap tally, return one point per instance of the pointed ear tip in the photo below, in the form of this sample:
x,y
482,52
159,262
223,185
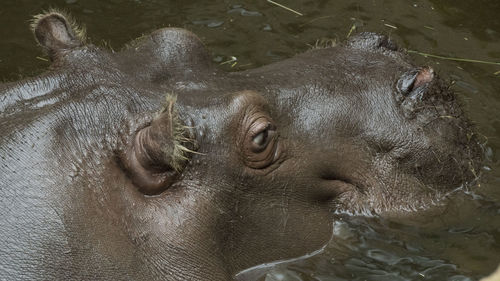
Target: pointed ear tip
x,y
43,18
48,25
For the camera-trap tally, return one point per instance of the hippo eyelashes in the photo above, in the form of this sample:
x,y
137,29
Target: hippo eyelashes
x,y
260,143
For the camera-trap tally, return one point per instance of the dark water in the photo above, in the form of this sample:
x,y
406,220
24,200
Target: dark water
x,y
464,244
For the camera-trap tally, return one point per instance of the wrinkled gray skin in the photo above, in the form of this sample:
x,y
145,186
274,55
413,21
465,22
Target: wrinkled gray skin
x,y
353,128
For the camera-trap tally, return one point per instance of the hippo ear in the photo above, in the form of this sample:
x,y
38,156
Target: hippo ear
x,y
56,32
159,152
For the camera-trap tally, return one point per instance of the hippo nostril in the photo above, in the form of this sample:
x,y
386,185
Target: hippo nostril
x,y
413,87
406,82
414,79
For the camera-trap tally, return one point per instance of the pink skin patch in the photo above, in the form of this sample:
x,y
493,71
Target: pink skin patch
x,y
425,75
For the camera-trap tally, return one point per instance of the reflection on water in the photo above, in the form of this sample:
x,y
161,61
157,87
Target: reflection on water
x,y
369,250
374,249
463,243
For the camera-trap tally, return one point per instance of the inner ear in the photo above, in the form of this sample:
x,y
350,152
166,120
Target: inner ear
x,y
56,32
158,153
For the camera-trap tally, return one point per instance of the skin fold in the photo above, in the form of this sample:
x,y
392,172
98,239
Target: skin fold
x,y
152,164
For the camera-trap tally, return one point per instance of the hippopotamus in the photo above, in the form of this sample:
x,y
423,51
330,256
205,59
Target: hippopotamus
x,y
152,163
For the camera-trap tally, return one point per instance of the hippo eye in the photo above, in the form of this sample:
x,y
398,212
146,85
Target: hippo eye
x,y
260,143
262,138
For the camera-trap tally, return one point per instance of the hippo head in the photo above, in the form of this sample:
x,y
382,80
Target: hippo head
x,y
151,163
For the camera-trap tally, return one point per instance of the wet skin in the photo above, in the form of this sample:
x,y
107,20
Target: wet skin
x,y
152,164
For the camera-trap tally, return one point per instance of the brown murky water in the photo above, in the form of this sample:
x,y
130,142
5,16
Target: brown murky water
x,y
462,245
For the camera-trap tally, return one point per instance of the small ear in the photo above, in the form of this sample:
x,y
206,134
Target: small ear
x,y
56,32
158,153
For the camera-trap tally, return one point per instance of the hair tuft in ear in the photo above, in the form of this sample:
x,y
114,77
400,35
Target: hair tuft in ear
x,y
179,133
